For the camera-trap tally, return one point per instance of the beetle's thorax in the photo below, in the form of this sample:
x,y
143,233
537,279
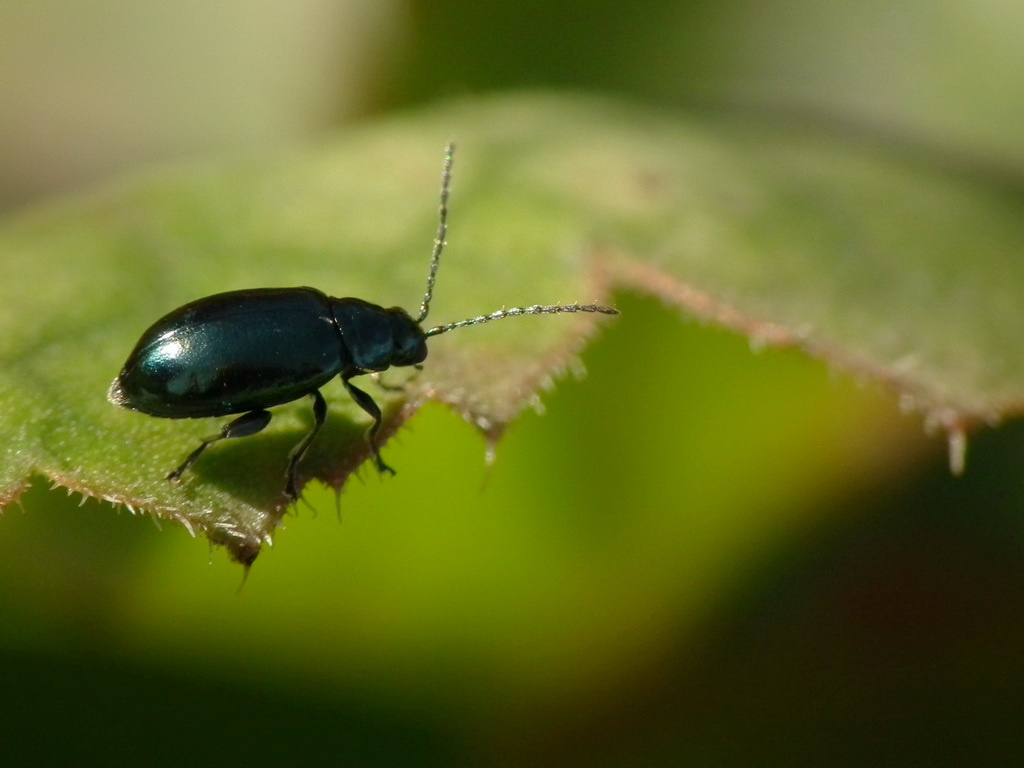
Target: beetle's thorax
x,y
377,338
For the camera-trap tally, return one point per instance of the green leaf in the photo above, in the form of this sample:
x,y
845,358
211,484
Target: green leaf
x,y
899,268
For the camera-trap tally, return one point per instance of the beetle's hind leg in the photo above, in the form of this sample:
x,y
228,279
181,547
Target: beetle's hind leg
x,y
247,424
365,402
299,451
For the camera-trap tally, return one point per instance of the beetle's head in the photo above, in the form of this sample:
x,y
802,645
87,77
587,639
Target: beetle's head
x,y
409,341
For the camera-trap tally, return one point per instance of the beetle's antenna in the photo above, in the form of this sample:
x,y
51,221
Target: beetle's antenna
x,y
536,309
435,261
442,230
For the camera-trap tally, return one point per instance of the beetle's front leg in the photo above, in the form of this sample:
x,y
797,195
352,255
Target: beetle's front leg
x,y
378,378
366,402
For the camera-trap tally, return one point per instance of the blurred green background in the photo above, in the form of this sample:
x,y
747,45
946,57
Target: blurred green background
x,y
749,559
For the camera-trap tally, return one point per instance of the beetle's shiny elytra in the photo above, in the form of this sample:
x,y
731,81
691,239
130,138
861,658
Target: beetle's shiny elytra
x,y
242,352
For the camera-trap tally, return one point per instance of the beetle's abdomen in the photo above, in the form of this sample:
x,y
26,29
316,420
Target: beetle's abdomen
x,y
232,352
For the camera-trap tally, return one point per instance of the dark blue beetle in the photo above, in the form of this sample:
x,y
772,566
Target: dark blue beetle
x,y
246,351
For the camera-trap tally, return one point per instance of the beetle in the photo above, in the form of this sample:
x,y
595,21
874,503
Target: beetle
x,y
242,352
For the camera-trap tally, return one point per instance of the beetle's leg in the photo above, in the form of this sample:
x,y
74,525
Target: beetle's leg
x,y
365,402
319,416
378,379
247,424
